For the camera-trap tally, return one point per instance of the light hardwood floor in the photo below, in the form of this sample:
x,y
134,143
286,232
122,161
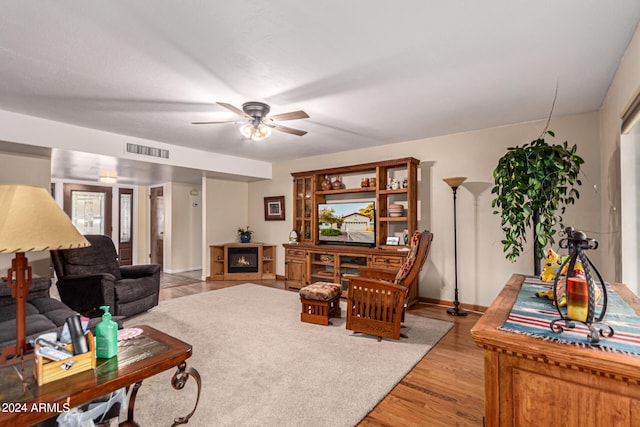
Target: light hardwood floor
x,y
444,389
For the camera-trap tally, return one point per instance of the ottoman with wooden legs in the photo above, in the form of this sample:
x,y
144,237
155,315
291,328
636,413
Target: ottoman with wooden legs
x,y
320,302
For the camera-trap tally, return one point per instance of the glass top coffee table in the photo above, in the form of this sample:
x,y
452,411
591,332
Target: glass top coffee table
x,y
25,403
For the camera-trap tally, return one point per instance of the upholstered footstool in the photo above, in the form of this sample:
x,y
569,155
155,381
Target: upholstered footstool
x,y
320,301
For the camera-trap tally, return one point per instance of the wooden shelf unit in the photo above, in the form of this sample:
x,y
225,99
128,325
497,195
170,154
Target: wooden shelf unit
x,y
302,261
219,262
308,193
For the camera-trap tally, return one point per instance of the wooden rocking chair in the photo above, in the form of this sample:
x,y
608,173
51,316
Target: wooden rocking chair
x,y
377,298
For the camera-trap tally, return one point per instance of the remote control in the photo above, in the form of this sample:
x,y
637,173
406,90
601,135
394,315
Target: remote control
x,y
53,354
44,343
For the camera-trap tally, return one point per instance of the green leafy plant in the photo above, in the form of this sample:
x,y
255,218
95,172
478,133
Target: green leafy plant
x,y
532,183
244,231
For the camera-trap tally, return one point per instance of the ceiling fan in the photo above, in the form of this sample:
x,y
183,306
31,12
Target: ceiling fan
x,y
260,124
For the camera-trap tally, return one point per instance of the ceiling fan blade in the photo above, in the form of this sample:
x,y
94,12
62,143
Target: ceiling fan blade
x,y
293,115
235,110
289,130
215,123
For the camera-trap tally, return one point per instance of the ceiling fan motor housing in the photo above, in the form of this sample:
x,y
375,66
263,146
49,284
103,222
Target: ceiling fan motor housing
x,y
256,109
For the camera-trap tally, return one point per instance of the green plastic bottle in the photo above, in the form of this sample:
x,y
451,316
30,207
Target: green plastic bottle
x,y
106,336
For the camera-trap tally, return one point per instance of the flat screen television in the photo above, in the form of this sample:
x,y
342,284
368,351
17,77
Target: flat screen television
x,y
347,223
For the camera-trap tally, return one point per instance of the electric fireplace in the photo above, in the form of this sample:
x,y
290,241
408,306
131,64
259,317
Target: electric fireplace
x,y
242,260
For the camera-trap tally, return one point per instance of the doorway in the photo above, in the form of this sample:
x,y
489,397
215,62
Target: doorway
x,y
157,225
89,207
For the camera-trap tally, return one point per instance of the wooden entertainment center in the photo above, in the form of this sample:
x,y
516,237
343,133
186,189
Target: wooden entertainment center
x,y
389,182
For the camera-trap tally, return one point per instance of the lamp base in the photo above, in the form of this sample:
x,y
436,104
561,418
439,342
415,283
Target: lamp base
x,y
456,311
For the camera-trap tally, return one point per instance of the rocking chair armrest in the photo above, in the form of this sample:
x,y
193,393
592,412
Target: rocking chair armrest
x,y
377,273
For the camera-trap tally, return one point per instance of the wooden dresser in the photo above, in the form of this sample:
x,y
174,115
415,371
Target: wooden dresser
x,y
532,382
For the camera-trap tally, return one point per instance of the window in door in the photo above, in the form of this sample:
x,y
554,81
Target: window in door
x,y
125,249
89,208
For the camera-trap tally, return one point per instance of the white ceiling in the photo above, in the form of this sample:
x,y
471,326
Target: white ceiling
x,y
367,72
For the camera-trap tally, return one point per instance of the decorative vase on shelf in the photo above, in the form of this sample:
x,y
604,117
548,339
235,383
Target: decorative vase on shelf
x,y
337,184
245,234
326,184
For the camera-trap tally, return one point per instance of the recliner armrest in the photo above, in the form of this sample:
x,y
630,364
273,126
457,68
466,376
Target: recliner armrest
x,y
86,293
134,271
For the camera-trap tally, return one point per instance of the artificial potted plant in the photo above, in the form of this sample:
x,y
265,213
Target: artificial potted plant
x,y
245,234
532,183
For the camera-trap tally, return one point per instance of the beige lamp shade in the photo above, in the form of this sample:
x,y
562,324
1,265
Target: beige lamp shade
x,y
456,181
30,220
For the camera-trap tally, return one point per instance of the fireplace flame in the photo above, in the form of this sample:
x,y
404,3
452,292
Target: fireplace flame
x,y
242,261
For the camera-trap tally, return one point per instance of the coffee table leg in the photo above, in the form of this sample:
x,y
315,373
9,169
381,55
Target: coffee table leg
x,y
178,381
131,407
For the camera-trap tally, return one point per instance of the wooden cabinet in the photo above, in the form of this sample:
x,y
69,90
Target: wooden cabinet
x,y
389,182
295,265
265,261
530,381
307,263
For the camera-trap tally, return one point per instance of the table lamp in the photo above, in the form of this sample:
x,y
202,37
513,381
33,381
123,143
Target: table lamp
x,y
30,220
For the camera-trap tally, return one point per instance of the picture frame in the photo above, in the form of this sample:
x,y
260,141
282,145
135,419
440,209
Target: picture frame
x,y
274,208
393,240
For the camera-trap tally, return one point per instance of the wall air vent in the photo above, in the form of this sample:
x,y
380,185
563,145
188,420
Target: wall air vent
x,y
147,151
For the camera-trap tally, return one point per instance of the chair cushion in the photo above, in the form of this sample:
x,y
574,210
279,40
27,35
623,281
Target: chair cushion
x,y
410,260
100,257
321,291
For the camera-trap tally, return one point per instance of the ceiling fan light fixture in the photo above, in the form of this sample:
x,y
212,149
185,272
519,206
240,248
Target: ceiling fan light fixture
x,y
247,130
257,132
261,132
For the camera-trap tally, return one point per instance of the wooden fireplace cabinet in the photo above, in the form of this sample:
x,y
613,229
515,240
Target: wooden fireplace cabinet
x,y
308,261
219,262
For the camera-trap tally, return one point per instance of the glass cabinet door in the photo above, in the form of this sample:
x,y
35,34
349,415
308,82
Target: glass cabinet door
x,y
303,208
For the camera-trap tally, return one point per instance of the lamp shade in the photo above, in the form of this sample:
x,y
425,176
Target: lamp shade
x,y
455,182
30,220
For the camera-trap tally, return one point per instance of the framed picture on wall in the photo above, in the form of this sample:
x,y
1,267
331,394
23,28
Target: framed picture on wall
x,y
274,208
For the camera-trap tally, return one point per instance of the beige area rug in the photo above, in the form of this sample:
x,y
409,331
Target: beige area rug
x,y
261,366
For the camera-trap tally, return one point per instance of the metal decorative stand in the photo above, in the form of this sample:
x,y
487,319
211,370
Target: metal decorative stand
x,y
577,242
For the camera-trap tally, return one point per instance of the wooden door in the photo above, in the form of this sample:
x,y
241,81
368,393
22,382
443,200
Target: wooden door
x,y
89,207
125,209
157,225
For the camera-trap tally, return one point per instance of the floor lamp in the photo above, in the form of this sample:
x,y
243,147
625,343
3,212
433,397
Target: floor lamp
x,y
30,220
454,183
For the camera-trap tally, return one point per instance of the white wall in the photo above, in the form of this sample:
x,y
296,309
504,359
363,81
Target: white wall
x,y
630,206
483,269
185,227
624,88
225,208
28,170
23,129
